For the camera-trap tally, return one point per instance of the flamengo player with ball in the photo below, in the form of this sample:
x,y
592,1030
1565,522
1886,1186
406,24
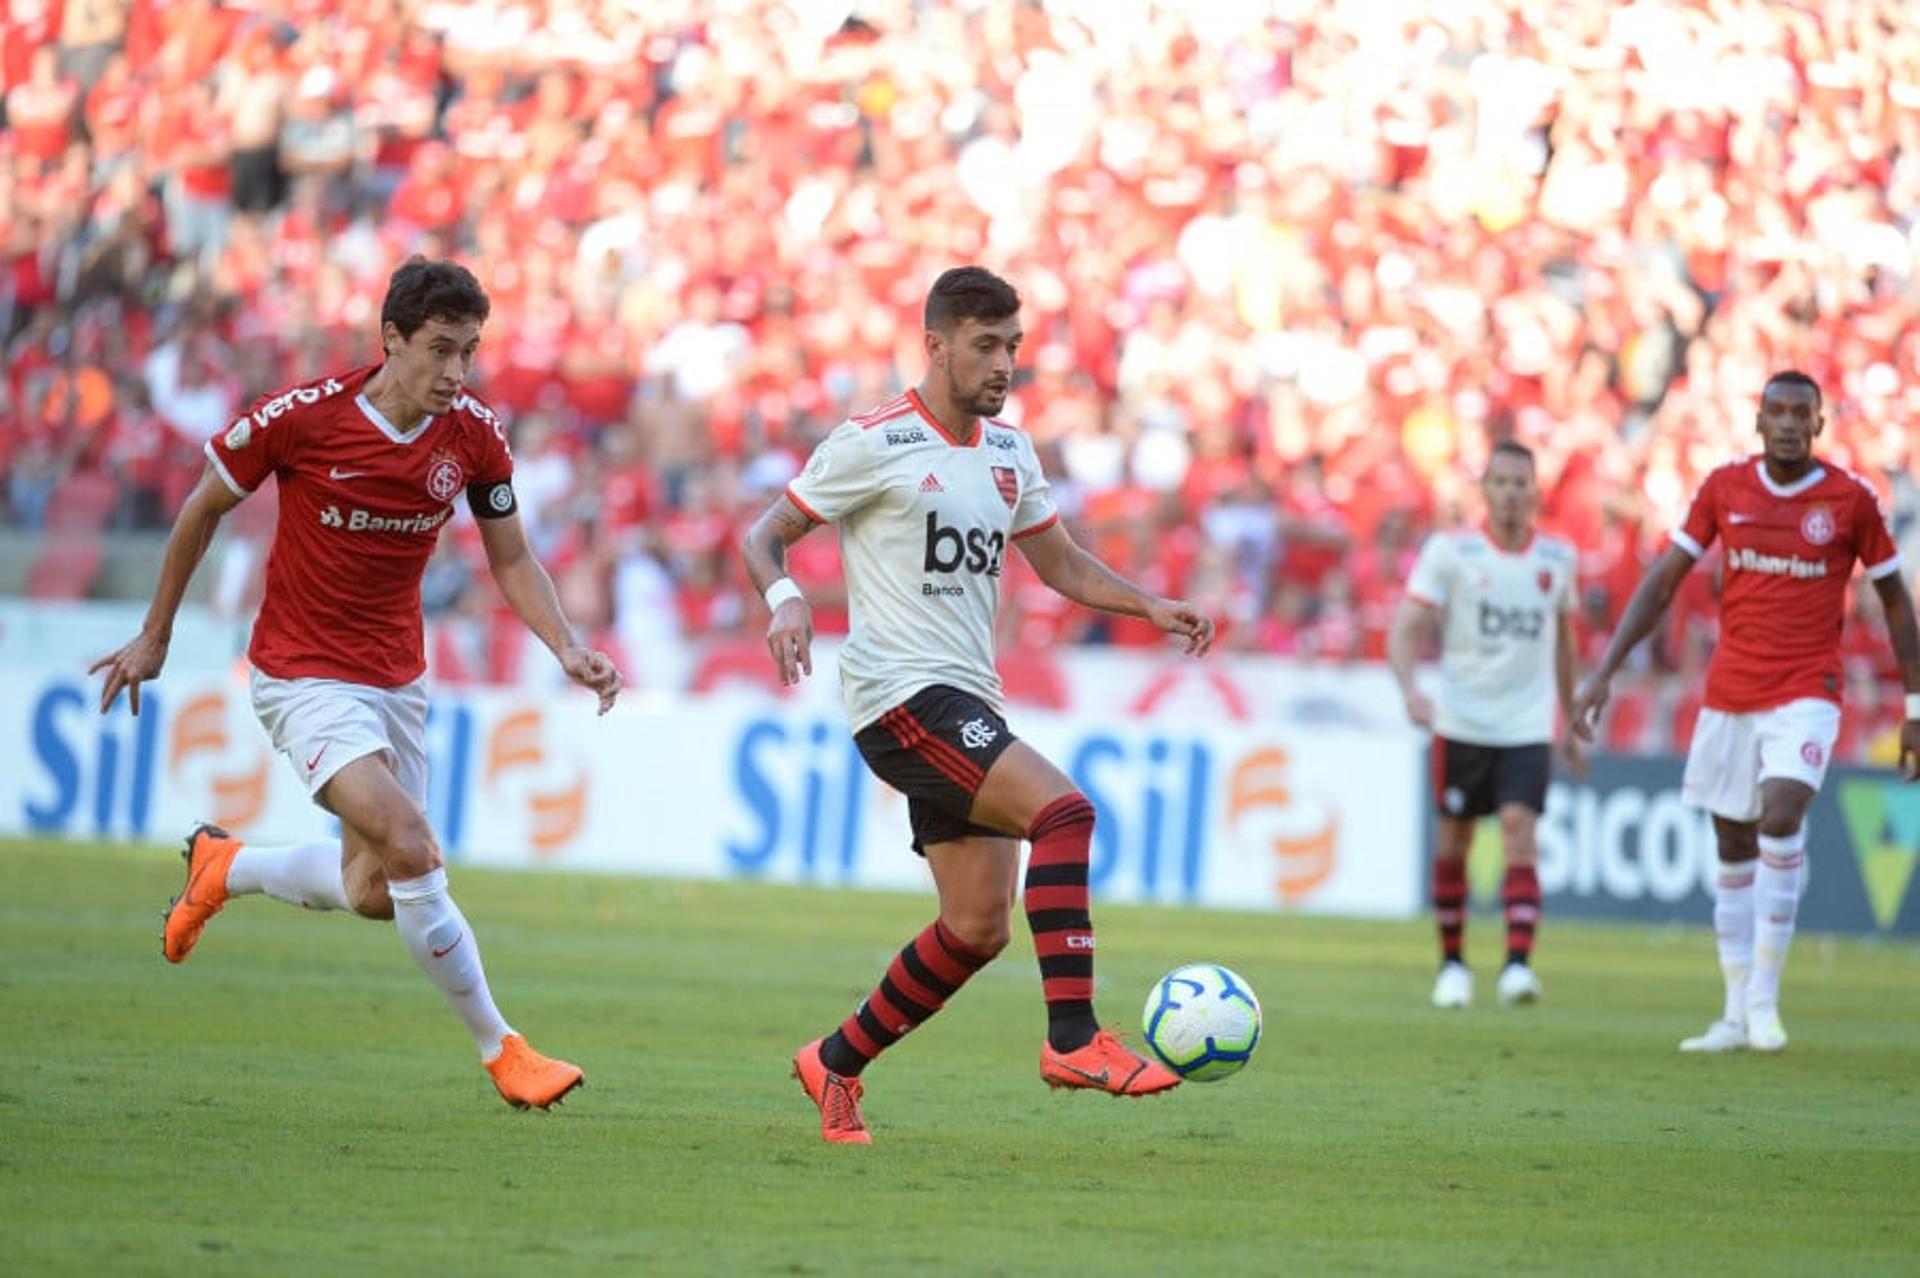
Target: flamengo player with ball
x,y
930,494
1792,528
368,464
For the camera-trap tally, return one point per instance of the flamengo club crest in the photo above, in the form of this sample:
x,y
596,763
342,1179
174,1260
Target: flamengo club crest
x,y
444,478
1817,526
1009,485
1545,578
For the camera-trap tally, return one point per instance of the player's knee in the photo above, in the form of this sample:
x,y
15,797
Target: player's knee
x,y
985,933
369,897
406,846
1781,819
1068,811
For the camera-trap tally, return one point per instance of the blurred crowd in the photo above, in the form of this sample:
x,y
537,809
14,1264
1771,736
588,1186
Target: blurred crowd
x,y
1289,268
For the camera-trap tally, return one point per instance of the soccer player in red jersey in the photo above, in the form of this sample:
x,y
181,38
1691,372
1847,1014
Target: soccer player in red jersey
x,y
1792,528
929,493
368,465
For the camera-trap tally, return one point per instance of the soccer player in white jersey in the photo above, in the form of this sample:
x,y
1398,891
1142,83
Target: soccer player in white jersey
x,y
1501,598
929,494
1793,528
368,464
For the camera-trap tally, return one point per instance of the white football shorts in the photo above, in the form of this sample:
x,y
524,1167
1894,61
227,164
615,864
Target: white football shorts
x,y
1733,753
322,725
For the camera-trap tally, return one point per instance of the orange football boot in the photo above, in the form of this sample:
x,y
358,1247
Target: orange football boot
x,y
209,852
1105,1064
837,1097
528,1080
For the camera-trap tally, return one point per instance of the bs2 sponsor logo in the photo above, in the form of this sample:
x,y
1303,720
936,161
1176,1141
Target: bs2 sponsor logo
x,y
950,550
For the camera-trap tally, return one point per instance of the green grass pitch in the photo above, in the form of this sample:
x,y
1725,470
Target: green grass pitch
x,y
297,1100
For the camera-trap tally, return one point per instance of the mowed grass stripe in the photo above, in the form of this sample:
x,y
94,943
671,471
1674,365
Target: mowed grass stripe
x,y
296,1098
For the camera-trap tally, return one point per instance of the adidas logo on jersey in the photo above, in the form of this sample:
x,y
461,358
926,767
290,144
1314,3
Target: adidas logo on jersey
x,y
932,485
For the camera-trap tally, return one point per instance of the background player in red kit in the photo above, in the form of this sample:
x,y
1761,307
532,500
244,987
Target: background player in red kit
x,y
368,465
1792,528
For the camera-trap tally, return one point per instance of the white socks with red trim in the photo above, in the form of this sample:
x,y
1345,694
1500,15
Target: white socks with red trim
x,y
437,936
303,874
1776,901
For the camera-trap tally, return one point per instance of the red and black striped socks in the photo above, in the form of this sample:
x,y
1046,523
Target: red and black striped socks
x,y
918,983
1520,895
1450,906
1057,911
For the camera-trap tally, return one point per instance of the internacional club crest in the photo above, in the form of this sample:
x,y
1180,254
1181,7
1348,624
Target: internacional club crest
x,y
444,478
1817,527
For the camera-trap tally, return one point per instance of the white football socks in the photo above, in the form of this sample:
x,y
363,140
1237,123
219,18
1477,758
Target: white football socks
x,y
1776,893
1733,929
437,936
303,874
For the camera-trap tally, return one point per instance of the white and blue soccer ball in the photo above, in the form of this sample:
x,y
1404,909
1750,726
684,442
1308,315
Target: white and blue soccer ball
x,y
1202,1022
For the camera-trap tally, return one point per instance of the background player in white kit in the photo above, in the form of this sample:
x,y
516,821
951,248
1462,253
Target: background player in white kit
x,y
1792,528
368,465
929,494
1502,600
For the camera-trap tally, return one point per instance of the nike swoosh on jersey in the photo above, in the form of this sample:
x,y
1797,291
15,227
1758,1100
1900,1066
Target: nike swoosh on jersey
x,y
337,473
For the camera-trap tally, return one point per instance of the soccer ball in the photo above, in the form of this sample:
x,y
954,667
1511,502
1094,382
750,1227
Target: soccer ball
x,y
1202,1021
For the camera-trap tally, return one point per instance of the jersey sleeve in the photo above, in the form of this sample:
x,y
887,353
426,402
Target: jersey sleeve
x,y
1035,511
1570,584
493,462
1872,539
253,447
839,478
1431,581
1702,523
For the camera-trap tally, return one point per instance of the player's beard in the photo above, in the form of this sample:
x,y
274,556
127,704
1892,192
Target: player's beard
x,y
984,402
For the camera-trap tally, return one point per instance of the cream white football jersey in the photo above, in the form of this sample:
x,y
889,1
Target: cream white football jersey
x,y
1500,630
925,526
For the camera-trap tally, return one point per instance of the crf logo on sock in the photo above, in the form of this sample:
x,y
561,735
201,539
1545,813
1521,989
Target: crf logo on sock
x,y
555,817
1077,941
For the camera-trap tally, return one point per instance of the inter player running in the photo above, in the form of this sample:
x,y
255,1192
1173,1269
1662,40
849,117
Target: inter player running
x,y
929,493
1502,599
368,465
1792,528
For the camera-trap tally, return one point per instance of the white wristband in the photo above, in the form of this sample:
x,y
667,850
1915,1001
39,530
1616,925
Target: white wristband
x,y
1913,705
781,591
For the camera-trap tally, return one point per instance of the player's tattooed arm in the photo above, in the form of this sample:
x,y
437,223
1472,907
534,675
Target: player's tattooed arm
x,y
1904,632
764,551
1644,610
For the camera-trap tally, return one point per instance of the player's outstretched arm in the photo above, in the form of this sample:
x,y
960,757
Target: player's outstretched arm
x,y
1413,622
764,551
142,656
1649,603
530,592
1068,568
1902,629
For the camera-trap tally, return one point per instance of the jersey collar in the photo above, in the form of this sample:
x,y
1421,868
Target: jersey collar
x,y
920,406
1794,489
1486,532
387,428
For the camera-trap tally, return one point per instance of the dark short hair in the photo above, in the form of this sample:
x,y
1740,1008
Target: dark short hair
x,y
1512,448
1793,377
421,290
969,292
